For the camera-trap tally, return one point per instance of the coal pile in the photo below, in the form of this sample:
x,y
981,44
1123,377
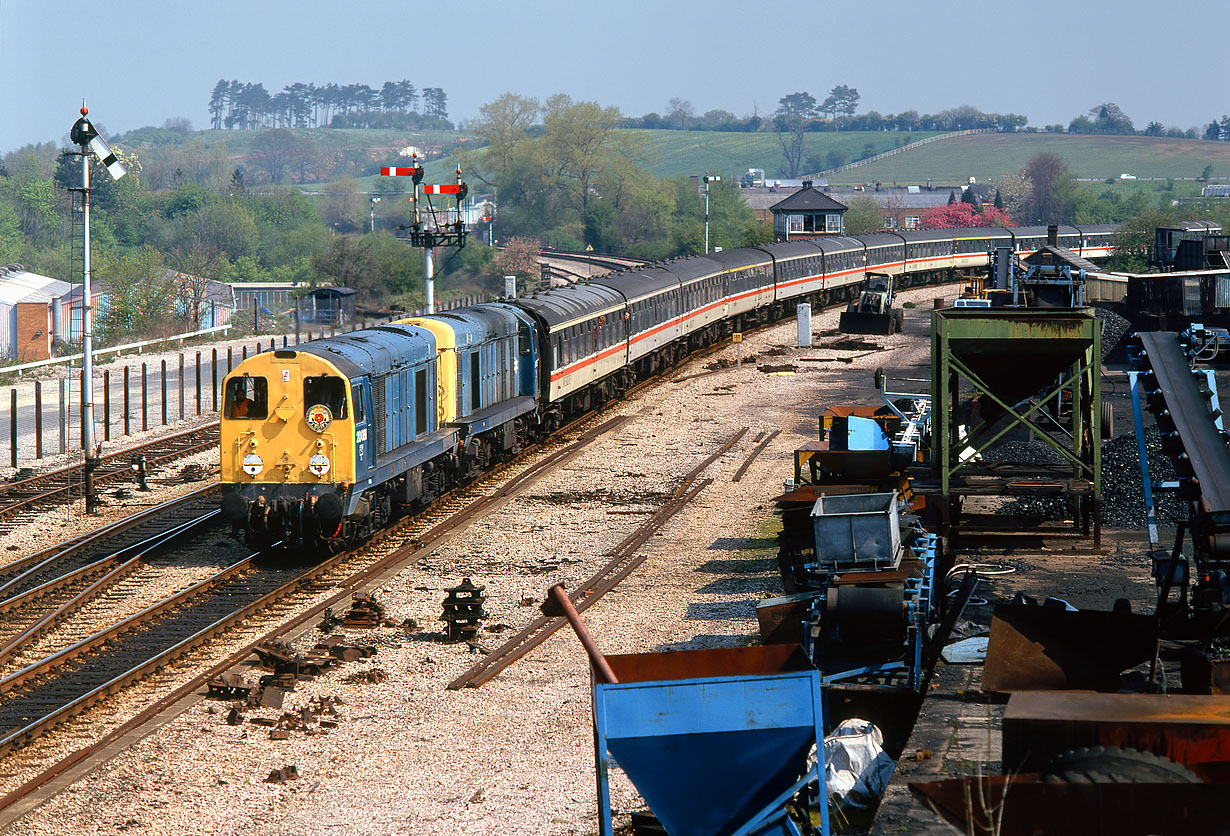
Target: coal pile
x,y
1116,333
1123,503
1031,452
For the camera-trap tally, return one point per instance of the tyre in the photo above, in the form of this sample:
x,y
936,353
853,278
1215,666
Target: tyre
x,y
1115,765
1108,421
898,319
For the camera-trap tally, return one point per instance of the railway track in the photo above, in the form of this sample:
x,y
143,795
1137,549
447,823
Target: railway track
x,y
37,493
624,559
50,690
301,593
573,267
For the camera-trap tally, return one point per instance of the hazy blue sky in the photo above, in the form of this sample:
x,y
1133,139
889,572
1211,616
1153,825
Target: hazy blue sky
x,y
139,62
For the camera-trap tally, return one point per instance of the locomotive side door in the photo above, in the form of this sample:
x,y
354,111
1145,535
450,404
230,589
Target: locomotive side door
x,y
365,441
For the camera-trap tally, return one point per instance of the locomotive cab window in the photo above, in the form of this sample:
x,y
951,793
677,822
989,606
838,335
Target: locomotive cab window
x,y
330,391
247,397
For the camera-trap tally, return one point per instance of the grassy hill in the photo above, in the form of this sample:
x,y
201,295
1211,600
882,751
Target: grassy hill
x,y
680,153
675,153
987,156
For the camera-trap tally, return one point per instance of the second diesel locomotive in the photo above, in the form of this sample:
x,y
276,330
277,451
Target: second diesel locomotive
x,y
324,443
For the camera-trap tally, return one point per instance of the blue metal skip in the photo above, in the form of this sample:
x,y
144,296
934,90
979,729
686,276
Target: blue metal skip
x,y
716,741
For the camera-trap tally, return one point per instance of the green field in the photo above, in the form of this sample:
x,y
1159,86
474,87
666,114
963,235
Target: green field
x,y
675,153
987,156
953,160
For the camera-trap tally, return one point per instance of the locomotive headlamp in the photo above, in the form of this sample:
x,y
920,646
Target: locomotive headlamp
x,y
253,464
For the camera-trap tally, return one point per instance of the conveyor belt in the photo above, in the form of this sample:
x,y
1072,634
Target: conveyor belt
x,y
1208,457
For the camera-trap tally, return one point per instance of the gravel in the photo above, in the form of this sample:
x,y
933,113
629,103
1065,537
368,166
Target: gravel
x,y
516,756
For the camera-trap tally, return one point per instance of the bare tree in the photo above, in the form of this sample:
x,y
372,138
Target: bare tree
x,y
680,111
520,258
1051,189
193,268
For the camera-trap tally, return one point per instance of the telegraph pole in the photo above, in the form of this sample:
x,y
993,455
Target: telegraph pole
x,y
86,137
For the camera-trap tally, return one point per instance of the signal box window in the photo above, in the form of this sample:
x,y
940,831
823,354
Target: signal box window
x,y
247,397
330,391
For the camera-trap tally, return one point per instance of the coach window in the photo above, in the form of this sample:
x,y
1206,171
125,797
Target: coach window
x,y
330,391
247,397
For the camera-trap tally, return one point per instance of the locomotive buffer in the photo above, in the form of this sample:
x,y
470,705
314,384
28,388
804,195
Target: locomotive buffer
x,y
434,232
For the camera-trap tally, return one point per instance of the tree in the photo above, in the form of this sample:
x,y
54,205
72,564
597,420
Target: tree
x,y
342,210
576,135
680,111
1206,173
801,105
794,113
1154,129
1051,190
841,100
194,267
520,258
139,294
502,124
962,215
863,216
435,102
278,150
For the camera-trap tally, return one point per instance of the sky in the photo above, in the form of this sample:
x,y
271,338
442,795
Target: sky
x,y
141,62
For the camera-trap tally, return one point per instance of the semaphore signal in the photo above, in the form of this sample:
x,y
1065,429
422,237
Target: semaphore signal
x,y
435,233
84,135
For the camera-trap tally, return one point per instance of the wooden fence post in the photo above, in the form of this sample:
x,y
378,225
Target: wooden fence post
x,y
164,393
213,375
144,398
63,417
198,383
38,419
13,427
127,403
106,405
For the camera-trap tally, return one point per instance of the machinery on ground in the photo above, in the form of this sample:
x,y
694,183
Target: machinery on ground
x,y
1184,400
873,312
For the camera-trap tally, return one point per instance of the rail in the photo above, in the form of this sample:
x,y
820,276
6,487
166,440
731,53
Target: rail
x,y
623,561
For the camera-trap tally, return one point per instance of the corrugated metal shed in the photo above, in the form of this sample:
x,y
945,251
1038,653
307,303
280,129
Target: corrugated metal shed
x,y
19,286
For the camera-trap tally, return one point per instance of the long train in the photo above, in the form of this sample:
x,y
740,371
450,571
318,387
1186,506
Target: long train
x,y
324,443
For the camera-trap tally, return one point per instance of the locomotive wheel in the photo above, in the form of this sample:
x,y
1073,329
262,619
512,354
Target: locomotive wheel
x,y
1115,765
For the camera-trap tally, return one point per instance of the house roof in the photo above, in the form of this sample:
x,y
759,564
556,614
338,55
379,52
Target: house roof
x,y
1051,254
809,199
899,197
19,285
